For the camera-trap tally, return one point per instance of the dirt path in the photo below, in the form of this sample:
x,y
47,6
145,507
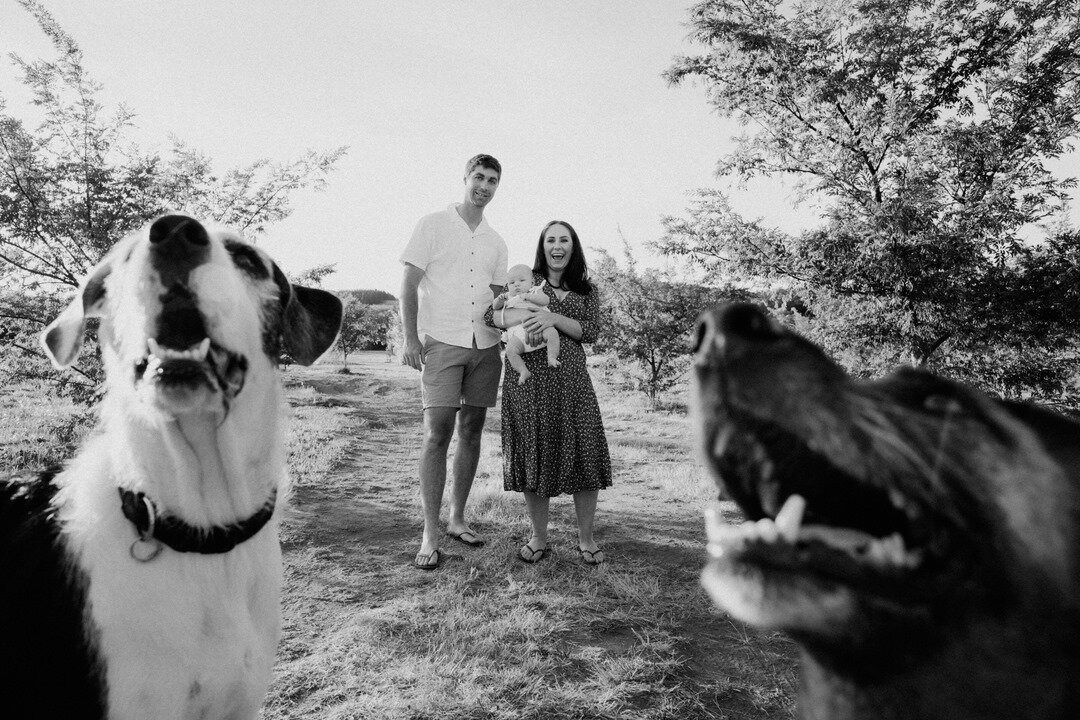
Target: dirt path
x,y
350,536
371,496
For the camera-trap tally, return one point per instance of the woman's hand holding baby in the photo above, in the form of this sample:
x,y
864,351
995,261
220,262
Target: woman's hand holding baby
x,y
539,322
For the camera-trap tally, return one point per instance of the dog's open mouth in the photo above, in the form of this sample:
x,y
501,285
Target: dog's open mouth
x,y
179,374
812,524
177,367
822,513
812,519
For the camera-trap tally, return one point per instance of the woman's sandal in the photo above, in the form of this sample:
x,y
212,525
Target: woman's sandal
x,y
527,555
591,557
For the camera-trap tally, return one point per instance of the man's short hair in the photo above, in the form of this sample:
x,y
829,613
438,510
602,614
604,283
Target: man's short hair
x,y
484,161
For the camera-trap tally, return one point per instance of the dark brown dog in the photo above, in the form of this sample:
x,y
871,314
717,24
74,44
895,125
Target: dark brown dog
x,y
920,540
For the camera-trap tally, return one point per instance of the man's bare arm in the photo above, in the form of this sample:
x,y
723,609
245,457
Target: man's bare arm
x,y
409,304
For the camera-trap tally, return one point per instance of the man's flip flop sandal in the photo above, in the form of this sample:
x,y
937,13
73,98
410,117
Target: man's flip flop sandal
x,y
591,557
527,555
467,538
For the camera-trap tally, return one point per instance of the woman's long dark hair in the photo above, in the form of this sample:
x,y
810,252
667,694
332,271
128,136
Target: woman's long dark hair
x,y
576,275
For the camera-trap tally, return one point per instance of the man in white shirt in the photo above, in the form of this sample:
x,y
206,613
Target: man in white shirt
x,y
455,264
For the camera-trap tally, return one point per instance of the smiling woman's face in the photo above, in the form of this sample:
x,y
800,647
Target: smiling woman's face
x,y
557,246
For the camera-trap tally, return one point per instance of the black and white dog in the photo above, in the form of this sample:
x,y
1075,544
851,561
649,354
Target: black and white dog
x,y
142,581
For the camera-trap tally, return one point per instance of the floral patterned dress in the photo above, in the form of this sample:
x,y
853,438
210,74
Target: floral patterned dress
x,y
553,438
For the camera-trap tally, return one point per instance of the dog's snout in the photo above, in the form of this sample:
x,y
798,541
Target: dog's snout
x,y
705,335
178,244
747,321
730,327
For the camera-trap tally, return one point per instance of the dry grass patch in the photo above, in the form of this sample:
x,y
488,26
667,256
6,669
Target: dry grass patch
x,y
486,636
38,430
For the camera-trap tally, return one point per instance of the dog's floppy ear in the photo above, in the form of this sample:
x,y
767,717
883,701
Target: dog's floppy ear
x,y
311,319
63,338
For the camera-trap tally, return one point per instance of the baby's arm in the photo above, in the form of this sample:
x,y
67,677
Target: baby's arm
x,y
510,317
537,297
500,301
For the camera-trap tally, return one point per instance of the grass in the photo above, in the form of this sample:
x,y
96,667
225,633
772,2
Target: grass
x,y
487,637
36,434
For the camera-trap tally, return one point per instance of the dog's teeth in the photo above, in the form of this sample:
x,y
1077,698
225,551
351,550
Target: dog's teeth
x,y
891,551
766,530
789,519
718,533
198,351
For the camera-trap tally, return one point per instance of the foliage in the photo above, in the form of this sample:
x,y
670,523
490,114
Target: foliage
x,y
72,183
374,297
922,129
365,326
313,276
649,320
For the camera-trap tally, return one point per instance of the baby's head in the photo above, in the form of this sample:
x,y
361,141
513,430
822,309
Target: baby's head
x,y
519,279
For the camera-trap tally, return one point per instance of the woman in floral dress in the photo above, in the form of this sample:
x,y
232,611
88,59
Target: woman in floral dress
x,y
552,434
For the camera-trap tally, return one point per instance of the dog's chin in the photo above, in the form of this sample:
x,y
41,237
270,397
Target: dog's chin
x,y
184,396
778,600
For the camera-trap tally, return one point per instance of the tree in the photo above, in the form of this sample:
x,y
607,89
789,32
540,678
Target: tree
x,y
364,325
313,276
649,320
922,128
74,184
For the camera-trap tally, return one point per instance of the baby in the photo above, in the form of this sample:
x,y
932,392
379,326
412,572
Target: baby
x,y
521,293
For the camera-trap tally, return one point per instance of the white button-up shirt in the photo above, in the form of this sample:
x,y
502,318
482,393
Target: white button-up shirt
x,y
459,267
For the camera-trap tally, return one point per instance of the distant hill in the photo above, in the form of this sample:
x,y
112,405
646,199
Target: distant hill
x,y
368,297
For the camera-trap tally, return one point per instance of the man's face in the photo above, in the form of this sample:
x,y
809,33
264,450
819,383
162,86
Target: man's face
x,y
480,186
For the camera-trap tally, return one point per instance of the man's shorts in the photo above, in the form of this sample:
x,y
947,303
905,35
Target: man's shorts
x,y
454,376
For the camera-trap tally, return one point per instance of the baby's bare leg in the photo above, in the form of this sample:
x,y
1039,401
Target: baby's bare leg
x,y
514,347
551,336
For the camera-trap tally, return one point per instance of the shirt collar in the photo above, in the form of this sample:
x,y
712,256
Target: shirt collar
x,y
483,220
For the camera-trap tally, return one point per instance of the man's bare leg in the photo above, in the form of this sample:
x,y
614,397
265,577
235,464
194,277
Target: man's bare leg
x,y
470,428
438,430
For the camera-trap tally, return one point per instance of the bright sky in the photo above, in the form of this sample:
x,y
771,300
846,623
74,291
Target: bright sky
x,y
567,94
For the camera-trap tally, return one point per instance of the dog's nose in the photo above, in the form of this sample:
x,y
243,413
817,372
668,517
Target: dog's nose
x,y
731,328
173,230
178,245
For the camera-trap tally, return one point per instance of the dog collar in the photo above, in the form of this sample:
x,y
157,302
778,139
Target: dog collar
x,y
155,528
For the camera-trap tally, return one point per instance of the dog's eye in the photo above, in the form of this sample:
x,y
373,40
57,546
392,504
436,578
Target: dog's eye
x,y
246,258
